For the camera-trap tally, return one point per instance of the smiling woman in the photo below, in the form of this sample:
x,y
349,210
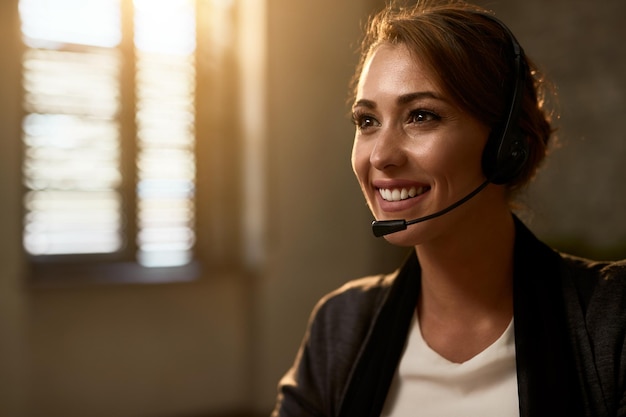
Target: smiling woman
x,y
482,318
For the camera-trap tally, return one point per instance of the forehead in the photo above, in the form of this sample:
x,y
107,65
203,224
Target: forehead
x,y
393,70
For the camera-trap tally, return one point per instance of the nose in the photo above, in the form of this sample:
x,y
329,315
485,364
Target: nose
x,y
388,149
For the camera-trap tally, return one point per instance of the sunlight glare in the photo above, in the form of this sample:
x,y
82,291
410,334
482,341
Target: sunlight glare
x,y
93,22
158,32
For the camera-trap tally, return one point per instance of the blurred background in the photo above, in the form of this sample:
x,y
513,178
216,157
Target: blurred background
x,y
177,193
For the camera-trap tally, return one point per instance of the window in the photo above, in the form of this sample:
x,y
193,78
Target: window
x,y
111,133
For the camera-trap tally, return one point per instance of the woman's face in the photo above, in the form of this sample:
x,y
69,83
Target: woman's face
x,y
415,151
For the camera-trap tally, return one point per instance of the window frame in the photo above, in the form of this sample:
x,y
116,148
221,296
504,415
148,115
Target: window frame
x,y
218,156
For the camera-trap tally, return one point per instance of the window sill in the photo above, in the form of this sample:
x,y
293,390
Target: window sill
x,y
50,275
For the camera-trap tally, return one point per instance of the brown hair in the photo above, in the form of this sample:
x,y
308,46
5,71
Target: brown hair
x,y
471,57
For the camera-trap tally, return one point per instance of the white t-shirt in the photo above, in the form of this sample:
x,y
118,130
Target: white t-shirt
x,y
427,384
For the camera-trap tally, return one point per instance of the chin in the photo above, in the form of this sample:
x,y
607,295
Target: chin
x,y
404,238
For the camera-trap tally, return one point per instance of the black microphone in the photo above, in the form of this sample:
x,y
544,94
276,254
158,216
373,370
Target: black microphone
x,y
385,227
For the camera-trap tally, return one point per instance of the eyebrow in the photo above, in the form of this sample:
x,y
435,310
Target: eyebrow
x,y
401,100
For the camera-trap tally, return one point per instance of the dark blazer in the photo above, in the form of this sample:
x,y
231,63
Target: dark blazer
x,y
570,330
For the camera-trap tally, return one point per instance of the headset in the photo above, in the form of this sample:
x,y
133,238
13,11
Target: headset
x,y
506,151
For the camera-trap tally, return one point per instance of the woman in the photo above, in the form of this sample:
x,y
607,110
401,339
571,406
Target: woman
x,y
482,319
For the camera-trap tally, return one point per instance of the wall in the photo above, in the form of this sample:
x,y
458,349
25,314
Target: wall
x,y
171,350
12,320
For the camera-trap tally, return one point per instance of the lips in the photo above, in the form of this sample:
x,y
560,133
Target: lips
x,y
403,193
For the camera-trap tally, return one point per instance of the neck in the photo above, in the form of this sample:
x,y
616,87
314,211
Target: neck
x,y
469,274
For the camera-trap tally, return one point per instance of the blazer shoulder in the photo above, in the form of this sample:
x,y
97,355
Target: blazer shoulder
x,y
356,298
615,270
338,327
599,270
598,282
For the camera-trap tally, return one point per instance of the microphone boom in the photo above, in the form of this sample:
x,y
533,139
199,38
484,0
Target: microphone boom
x,y
385,227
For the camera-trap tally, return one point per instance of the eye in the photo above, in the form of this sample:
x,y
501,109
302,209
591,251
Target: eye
x,y
422,116
364,121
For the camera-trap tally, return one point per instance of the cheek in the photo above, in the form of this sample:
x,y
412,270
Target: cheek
x,y
360,160
460,157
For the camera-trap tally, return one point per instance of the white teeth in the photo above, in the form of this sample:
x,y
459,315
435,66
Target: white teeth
x,y
398,194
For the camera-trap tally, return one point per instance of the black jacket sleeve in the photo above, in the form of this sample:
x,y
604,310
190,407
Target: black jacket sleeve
x,y
338,327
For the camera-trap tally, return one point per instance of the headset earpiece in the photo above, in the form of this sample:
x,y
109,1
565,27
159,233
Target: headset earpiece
x,y
501,167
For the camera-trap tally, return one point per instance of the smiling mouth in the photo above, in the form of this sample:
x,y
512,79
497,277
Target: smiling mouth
x,y
399,194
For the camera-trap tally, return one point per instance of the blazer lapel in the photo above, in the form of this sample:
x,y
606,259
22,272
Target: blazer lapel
x,y
546,371
369,383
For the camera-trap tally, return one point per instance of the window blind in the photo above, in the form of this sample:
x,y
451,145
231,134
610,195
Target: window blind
x,y
165,45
